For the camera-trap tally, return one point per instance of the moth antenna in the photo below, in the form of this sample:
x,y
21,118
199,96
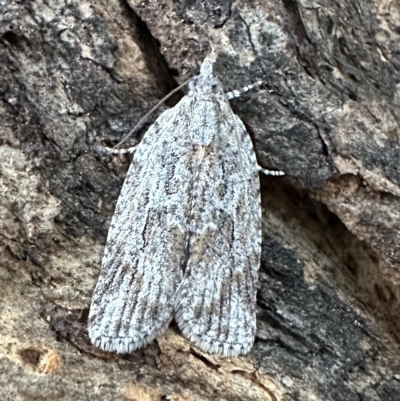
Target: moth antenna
x,y
271,172
239,92
145,117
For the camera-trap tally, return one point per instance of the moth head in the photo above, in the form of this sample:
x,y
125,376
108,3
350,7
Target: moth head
x,y
206,84
207,67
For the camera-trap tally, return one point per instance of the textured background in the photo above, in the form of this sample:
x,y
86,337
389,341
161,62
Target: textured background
x,y
76,73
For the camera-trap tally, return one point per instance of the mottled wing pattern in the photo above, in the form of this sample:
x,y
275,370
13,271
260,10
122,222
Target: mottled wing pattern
x,y
143,261
185,239
215,303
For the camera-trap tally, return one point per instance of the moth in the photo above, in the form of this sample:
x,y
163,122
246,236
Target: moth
x,y
185,239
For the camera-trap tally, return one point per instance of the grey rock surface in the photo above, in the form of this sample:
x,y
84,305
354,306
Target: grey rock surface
x,y
75,74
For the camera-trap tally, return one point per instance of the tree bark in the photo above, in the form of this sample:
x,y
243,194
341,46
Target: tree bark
x,y
78,73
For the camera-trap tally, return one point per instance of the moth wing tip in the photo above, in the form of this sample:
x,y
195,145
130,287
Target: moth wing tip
x,y
120,345
209,344
124,345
